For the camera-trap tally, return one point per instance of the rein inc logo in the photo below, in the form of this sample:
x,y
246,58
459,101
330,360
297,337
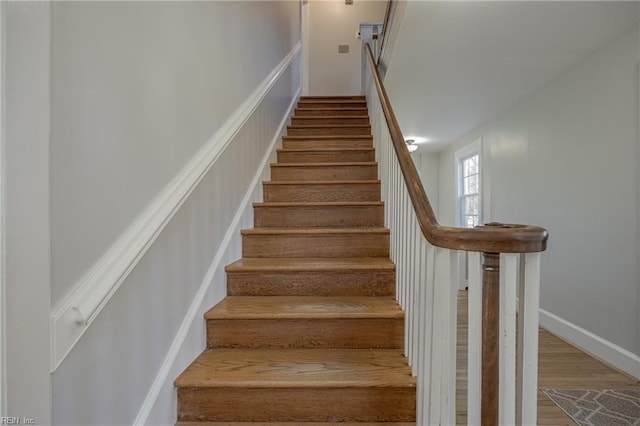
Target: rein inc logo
x,y
17,421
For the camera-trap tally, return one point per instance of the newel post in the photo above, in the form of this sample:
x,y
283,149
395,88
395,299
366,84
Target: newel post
x,y
490,338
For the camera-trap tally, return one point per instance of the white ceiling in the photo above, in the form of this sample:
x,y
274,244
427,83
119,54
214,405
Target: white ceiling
x,y
457,64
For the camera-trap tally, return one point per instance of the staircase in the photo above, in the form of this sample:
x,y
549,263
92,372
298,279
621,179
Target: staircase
x,y
310,330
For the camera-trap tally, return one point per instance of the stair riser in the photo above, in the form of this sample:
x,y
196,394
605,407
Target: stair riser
x,y
312,333
303,173
366,283
332,104
296,121
344,112
310,143
325,156
329,98
320,216
322,192
328,131
379,404
318,245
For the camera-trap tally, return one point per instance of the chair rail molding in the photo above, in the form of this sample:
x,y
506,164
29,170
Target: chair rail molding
x,y
75,313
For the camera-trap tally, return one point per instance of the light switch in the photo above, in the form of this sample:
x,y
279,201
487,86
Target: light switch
x,y
343,48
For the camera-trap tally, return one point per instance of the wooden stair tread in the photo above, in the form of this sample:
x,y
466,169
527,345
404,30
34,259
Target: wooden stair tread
x,y
324,152
325,137
298,368
333,102
307,111
313,171
322,190
320,182
313,231
331,99
304,105
326,117
316,110
311,264
329,149
326,126
304,307
318,203
341,97
331,118
341,164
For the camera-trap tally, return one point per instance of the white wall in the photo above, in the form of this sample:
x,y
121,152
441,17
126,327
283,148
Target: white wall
x,y
137,89
106,104
27,209
332,22
566,158
391,36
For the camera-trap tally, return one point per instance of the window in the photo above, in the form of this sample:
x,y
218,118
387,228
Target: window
x,y
470,194
468,163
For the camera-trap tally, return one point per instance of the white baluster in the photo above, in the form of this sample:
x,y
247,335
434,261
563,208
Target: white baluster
x,y
507,381
450,275
411,306
404,255
398,212
474,340
529,319
443,366
420,337
407,278
428,334
417,282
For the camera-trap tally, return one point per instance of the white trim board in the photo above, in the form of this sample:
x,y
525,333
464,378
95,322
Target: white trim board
x,y
609,353
187,323
72,317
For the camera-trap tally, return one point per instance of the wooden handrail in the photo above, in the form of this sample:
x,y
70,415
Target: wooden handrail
x,y
488,238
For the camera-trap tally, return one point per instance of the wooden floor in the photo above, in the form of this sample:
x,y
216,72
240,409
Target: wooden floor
x,y
561,366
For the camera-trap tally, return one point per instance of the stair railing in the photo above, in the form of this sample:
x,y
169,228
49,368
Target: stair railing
x,y
501,257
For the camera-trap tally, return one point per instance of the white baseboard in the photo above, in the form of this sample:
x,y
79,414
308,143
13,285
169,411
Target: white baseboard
x,y
609,353
72,317
162,378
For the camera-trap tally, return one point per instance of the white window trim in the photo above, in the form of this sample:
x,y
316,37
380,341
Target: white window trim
x,y
469,150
